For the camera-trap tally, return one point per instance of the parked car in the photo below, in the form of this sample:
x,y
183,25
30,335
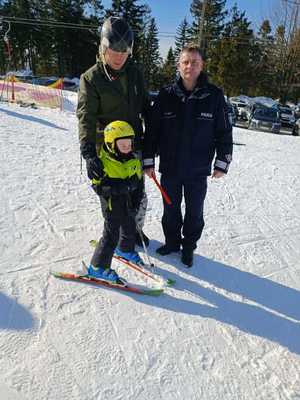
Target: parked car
x,y
296,128
287,117
240,106
251,107
265,119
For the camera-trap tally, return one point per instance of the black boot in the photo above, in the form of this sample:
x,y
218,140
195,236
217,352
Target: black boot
x,y
167,249
138,240
187,257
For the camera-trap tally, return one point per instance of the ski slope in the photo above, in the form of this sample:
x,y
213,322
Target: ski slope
x,y
228,330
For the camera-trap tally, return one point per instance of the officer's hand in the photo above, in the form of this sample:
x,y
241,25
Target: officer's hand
x,y
149,172
217,174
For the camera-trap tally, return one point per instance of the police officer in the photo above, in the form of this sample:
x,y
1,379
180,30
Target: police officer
x,y
190,131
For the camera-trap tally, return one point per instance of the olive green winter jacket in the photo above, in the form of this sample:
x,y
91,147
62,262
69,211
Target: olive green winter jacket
x,y
101,101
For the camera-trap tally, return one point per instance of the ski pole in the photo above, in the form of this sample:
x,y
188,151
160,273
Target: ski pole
x,y
145,248
169,281
164,194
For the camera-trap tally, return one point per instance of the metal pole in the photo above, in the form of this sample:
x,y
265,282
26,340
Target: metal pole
x,y
150,263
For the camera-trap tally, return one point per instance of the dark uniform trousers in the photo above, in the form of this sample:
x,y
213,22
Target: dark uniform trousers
x,y
119,230
191,225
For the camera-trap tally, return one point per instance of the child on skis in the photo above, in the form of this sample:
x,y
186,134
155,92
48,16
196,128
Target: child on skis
x,y
120,189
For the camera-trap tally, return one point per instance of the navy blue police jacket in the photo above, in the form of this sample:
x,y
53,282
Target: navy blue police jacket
x,y
189,131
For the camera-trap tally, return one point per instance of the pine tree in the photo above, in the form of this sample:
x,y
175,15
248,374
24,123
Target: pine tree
x,y
168,71
21,40
134,15
51,49
2,44
213,22
68,43
234,59
265,67
287,61
151,60
182,37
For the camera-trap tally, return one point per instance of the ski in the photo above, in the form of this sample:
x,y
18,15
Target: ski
x,y
140,269
120,285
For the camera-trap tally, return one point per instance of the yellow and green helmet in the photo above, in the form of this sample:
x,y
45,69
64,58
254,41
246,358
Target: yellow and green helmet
x,y
117,130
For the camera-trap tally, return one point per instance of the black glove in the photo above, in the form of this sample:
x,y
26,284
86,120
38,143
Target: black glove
x,y
94,168
94,165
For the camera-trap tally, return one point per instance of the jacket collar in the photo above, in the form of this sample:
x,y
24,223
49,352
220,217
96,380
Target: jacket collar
x,y
180,90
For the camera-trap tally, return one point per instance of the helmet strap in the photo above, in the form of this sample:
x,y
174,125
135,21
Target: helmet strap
x,y
104,63
106,72
110,73
109,148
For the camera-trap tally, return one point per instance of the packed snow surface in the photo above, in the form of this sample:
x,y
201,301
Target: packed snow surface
x,y
229,329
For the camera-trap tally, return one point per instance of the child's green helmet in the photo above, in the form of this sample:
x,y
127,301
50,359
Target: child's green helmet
x,y
117,130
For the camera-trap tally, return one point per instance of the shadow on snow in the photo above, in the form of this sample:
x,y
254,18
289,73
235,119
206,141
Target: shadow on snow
x,y
33,119
274,316
14,316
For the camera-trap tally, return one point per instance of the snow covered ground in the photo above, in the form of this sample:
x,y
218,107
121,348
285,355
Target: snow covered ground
x,y
228,330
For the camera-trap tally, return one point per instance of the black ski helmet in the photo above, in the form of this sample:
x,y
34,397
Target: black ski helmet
x,y
116,35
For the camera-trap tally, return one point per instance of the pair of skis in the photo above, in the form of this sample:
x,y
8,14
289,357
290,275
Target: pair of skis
x,y
145,269
120,284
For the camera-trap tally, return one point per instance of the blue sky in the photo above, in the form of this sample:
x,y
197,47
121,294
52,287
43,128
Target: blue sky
x,y
170,13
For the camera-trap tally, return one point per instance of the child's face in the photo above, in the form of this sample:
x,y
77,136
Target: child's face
x,y
124,145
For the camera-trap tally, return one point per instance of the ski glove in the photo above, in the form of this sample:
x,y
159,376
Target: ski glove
x,y
94,168
94,165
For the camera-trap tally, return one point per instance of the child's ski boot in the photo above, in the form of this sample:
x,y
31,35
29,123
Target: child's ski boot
x,y
105,274
131,256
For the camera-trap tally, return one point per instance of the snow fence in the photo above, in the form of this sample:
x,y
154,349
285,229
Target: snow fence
x,y
13,90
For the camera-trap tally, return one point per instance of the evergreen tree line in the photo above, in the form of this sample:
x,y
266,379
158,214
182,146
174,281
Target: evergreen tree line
x,y
61,37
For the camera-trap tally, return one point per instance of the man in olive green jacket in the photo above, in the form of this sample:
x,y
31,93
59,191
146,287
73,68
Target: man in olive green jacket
x,y
113,89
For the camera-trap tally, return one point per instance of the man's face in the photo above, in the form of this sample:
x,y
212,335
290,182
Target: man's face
x,y
190,65
124,145
115,59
